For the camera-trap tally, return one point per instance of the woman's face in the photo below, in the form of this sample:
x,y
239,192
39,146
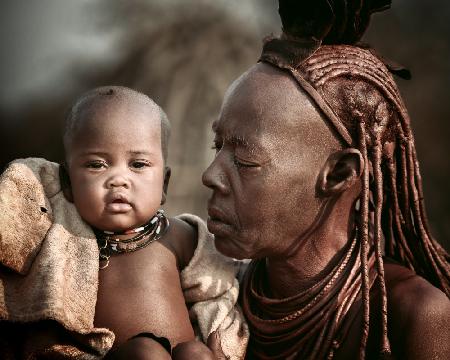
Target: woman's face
x,y
271,143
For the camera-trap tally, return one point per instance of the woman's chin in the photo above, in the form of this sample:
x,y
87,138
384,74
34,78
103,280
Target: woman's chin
x,y
227,248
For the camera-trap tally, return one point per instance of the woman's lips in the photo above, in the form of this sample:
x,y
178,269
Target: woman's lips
x,y
218,215
217,222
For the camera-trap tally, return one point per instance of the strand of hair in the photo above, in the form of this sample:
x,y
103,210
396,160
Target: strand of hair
x,y
364,216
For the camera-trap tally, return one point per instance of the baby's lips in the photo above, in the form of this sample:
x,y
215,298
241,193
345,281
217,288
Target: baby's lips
x,y
118,206
117,197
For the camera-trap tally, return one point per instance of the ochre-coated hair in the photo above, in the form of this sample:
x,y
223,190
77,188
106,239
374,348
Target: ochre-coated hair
x,y
359,96
360,99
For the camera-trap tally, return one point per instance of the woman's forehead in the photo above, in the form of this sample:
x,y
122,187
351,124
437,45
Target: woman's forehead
x,y
266,106
266,98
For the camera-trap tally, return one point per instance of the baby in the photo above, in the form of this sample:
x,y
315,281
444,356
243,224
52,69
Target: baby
x,y
115,143
57,298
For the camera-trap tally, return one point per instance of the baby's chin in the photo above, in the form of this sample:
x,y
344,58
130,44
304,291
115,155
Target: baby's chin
x,y
120,223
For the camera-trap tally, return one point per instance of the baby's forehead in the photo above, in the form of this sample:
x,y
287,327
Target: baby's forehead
x,y
106,113
102,112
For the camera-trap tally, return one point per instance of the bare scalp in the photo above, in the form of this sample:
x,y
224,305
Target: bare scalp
x,y
107,98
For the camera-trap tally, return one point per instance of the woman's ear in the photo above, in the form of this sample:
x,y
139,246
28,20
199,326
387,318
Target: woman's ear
x,y
64,180
341,170
167,172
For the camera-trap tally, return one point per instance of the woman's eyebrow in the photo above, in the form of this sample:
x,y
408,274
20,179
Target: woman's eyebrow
x,y
242,142
238,140
235,139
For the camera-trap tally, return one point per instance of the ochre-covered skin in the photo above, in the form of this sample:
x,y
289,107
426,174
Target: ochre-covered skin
x,y
418,316
284,189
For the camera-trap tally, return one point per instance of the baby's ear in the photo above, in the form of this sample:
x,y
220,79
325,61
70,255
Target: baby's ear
x,y
64,180
341,171
167,172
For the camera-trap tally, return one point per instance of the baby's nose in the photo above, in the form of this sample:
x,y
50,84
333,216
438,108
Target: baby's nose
x,y
118,181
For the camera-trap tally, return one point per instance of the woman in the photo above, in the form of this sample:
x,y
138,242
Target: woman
x,y
316,179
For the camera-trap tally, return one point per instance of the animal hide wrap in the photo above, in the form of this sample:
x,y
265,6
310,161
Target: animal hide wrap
x,y
49,275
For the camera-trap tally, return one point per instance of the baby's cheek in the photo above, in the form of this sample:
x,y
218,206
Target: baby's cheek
x,y
87,195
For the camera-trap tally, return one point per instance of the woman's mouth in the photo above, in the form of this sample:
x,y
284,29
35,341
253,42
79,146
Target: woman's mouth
x,y
217,223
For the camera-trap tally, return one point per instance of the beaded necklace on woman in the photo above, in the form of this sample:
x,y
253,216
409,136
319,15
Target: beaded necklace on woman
x,y
310,324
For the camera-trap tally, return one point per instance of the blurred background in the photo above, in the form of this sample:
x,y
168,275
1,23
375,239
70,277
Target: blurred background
x,y
184,54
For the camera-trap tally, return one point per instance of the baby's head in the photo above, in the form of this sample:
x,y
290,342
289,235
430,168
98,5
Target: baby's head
x,y
115,142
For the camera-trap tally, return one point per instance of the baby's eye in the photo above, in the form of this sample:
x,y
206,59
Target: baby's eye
x,y
139,164
96,165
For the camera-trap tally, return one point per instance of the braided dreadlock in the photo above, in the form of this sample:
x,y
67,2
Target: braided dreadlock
x,y
364,96
360,98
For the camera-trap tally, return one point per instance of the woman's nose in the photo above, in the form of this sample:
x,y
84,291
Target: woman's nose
x,y
214,178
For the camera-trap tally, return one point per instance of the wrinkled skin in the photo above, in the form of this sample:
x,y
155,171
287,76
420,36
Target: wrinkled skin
x,y
264,201
284,189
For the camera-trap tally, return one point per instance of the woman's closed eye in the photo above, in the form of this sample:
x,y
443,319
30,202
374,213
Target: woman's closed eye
x,y
244,163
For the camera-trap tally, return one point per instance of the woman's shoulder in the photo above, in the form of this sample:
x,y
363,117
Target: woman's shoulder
x,y
409,292
418,313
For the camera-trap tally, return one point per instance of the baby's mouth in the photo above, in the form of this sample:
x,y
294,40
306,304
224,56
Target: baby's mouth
x,y
120,201
118,204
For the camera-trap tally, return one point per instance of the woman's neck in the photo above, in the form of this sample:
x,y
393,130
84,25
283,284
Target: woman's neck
x,y
319,254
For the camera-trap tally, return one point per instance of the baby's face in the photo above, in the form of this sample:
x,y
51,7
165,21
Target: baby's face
x,y
116,166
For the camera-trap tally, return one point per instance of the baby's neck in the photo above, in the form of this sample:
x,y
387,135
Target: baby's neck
x,y
132,232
